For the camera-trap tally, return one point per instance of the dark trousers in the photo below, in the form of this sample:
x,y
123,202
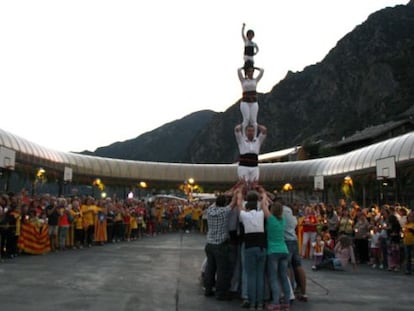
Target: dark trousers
x,y
218,268
362,250
110,230
90,232
3,242
79,237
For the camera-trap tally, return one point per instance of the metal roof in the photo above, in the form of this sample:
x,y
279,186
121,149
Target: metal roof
x,y
364,159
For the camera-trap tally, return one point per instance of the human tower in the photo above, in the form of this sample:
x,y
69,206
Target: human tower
x,y
249,134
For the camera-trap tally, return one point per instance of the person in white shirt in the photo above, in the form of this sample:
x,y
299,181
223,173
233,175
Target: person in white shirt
x,y
249,148
249,107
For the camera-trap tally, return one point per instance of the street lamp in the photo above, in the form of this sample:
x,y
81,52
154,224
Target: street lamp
x,y
288,188
39,178
142,185
347,186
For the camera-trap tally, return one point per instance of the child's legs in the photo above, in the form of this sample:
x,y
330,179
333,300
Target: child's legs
x,y
318,259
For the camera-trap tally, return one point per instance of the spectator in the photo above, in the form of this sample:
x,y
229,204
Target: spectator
x,y
409,241
53,222
77,223
318,247
297,272
375,247
361,229
332,221
394,238
345,223
309,224
344,253
63,222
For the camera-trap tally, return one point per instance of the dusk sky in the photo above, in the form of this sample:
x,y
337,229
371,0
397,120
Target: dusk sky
x,y
78,75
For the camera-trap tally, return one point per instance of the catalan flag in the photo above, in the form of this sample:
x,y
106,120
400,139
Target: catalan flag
x,y
34,239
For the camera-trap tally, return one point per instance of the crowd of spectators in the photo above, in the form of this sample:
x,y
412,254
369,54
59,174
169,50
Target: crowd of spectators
x,y
77,222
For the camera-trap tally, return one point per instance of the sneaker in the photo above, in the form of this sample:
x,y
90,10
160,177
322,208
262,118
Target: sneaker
x,y
381,267
313,267
303,298
374,266
208,293
396,269
245,304
285,307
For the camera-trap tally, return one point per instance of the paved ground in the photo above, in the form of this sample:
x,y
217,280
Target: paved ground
x,y
161,273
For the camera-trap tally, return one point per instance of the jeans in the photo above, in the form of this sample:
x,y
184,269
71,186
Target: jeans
x,y
255,260
244,294
218,268
63,232
277,269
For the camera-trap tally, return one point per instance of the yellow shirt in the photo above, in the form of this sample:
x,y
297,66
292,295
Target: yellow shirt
x,y
197,213
77,219
133,222
408,235
88,212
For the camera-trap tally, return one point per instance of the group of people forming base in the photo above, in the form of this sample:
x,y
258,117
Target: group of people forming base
x,y
250,240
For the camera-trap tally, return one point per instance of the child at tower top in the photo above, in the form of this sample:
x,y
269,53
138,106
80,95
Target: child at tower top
x,y
250,48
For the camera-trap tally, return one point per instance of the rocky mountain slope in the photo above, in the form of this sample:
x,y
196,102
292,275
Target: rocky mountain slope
x,y
365,80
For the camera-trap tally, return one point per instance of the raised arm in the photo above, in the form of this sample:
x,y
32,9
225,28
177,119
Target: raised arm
x,y
242,32
264,203
262,129
238,133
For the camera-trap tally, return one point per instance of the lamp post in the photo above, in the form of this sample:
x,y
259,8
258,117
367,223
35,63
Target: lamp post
x,y
347,187
40,177
142,185
288,188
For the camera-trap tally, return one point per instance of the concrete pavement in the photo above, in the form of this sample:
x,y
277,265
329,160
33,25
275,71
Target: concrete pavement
x,y
162,273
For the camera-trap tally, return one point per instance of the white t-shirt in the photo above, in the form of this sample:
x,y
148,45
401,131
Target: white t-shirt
x,y
253,221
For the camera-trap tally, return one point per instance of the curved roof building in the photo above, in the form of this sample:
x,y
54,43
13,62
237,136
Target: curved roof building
x,y
361,161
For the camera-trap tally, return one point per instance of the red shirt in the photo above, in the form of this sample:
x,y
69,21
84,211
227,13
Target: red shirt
x,y
309,223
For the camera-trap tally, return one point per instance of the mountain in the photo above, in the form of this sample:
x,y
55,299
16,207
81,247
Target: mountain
x,y
367,79
168,143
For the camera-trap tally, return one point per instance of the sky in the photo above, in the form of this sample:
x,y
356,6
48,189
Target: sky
x,y
80,74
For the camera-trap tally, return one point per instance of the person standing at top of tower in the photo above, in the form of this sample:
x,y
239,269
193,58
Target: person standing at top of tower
x,y
250,48
249,107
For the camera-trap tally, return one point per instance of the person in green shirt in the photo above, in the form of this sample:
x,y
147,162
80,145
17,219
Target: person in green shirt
x,y
277,252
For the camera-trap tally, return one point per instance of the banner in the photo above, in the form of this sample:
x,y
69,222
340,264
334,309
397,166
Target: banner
x,y
34,239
